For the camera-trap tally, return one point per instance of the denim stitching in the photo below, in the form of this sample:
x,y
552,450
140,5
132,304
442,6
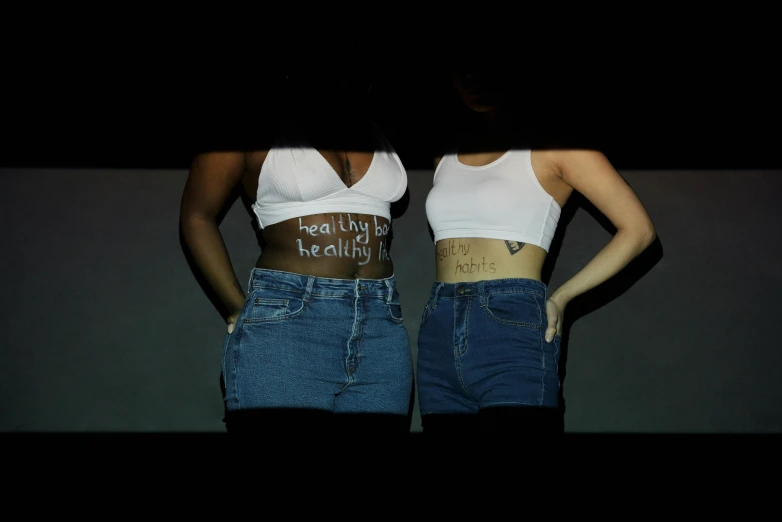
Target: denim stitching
x,y
281,288
390,291
352,336
486,297
308,289
467,325
511,323
458,356
235,369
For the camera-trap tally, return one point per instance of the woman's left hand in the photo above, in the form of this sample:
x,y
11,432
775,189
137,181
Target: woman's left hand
x,y
555,312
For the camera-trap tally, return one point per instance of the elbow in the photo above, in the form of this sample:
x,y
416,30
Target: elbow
x,y
639,238
189,217
647,236
185,222
192,222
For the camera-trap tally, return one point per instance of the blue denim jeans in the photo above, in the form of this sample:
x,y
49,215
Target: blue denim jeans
x,y
482,345
313,343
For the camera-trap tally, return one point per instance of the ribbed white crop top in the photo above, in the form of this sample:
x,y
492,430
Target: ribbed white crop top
x,y
296,180
501,200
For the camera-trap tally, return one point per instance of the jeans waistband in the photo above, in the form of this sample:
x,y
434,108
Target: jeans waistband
x,y
321,286
498,286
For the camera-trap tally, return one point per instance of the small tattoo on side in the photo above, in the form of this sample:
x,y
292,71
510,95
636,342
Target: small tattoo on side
x,y
514,246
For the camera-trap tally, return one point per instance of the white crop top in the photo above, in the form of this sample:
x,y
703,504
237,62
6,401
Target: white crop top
x,y
296,180
501,200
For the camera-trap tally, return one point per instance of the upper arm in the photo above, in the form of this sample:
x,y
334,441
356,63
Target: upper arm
x,y
212,178
590,173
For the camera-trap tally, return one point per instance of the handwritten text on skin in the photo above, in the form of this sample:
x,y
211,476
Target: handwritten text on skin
x,y
354,248
462,248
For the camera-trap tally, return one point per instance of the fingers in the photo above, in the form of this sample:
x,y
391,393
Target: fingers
x,y
231,322
554,318
553,315
551,331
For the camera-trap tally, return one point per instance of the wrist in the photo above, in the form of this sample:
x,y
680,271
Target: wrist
x,y
236,307
559,298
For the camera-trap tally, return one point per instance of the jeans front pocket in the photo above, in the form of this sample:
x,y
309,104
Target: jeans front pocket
x,y
395,312
515,309
394,307
270,304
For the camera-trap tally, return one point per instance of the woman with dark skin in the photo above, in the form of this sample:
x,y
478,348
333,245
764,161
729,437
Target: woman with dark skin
x,y
318,339
489,341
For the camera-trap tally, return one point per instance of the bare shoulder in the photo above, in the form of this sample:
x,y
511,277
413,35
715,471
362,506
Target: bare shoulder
x,y
254,159
217,163
579,155
443,149
566,161
590,172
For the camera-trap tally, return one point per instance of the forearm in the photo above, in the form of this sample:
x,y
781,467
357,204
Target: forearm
x,y
206,245
615,256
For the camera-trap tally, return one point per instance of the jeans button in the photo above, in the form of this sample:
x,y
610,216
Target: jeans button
x,y
460,290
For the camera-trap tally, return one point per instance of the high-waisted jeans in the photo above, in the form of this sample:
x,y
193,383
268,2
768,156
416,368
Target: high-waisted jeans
x,y
482,344
314,343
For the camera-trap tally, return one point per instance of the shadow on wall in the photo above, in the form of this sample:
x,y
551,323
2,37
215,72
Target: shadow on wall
x,y
603,294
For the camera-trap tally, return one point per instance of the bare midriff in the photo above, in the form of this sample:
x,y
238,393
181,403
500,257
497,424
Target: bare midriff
x,y
334,245
475,259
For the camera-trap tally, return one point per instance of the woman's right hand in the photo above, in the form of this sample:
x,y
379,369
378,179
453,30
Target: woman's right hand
x,y
231,321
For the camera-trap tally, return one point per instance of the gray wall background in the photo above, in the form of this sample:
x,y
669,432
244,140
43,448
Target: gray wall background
x,y
105,328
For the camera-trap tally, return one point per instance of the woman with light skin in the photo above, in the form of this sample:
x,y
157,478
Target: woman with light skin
x,y
491,332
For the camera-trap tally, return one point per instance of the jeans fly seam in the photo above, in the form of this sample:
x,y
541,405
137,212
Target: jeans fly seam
x,y
466,326
352,337
463,351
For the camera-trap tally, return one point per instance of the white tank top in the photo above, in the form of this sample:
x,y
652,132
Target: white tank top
x,y
296,180
501,200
